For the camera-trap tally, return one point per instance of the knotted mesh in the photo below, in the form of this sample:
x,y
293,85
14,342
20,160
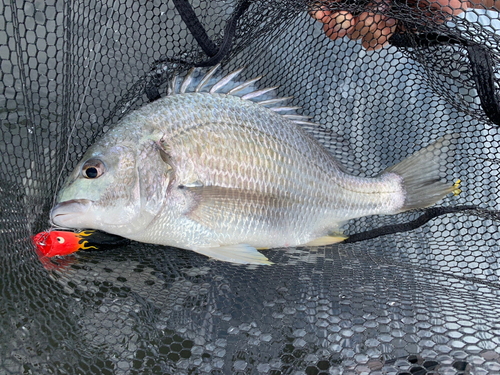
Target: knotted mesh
x,y
419,301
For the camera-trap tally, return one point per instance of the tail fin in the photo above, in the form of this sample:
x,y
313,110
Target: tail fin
x,y
421,174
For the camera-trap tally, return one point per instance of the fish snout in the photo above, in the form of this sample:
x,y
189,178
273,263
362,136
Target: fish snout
x,y
70,214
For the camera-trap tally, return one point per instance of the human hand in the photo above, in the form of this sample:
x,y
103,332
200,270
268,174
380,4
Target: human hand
x,y
374,28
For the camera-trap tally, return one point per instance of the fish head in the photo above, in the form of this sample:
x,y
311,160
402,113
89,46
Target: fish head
x,y
116,188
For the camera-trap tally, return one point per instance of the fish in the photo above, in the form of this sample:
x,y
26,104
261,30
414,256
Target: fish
x,y
222,169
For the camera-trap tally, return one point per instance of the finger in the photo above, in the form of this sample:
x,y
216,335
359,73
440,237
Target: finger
x,y
339,24
442,9
452,7
321,15
363,24
380,36
485,4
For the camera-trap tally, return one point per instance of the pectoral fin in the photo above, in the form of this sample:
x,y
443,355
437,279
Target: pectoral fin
x,y
327,240
217,206
239,253
163,153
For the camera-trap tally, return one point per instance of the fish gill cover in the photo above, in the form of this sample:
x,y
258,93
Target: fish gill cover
x,y
419,291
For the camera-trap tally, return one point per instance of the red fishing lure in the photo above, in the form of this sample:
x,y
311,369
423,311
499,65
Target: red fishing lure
x,y
54,243
57,242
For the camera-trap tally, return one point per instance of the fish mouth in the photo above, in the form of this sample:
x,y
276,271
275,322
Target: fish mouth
x,y
69,214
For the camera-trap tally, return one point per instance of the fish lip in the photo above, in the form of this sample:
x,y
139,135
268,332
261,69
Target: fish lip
x,y
71,207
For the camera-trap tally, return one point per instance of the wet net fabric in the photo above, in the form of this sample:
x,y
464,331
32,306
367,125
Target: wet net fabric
x,y
425,301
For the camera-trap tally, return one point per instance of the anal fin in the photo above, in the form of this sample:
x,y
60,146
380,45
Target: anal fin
x,y
327,240
239,253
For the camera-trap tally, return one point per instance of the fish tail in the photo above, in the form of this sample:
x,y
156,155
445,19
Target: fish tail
x,y
422,174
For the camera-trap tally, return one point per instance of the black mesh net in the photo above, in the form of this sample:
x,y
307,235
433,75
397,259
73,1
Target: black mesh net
x,y
387,77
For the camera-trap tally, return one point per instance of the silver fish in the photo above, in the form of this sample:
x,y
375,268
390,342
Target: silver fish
x,y
217,172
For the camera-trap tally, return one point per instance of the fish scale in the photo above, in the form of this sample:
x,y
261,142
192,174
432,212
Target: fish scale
x,y
222,175
214,169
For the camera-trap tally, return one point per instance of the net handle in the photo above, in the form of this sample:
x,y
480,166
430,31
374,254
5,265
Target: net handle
x,y
199,33
427,216
215,54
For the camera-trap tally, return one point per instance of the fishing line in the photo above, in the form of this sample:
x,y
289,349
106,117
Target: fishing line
x,y
84,96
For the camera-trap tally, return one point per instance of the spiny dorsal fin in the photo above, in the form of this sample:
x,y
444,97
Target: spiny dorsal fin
x,y
244,85
187,80
224,81
297,117
275,100
244,90
283,109
206,78
172,85
257,93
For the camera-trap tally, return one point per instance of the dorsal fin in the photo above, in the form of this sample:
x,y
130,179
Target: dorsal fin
x,y
172,85
206,78
275,100
255,94
187,80
224,81
297,118
244,85
244,90
283,108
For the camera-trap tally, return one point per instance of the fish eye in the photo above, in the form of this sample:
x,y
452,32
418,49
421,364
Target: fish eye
x,y
93,168
60,239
